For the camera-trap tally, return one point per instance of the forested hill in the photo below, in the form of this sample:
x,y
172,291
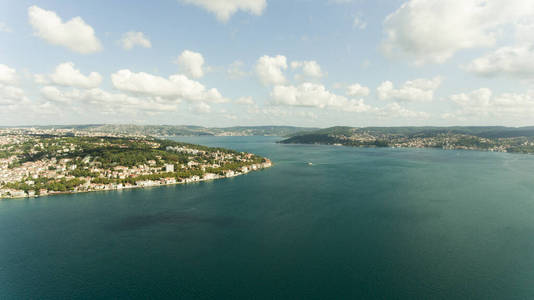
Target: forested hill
x,y
491,138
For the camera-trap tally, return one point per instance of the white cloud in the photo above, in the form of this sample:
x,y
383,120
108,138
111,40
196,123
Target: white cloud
x,y
201,107
132,38
245,101
478,98
395,110
230,117
117,102
413,90
433,30
235,70
310,69
514,61
359,23
4,27
314,95
7,75
175,87
66,75
524,32
10,94
105,102
191,63
269,69
483,103
74,34
54,94
224,9
357,90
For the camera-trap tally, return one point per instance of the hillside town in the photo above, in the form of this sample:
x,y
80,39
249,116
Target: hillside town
x,y
46,162
461,138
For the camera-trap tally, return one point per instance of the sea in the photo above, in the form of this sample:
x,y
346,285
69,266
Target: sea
x,y
325,222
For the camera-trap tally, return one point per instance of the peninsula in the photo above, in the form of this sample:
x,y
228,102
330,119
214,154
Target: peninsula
x,y
45,162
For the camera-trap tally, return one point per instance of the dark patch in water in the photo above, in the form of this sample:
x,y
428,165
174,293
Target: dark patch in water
x,y
176,218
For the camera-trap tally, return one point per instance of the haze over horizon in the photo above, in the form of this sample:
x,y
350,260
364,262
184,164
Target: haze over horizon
x,y
306,63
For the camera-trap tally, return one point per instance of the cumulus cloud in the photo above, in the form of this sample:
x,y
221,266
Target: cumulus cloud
x,y
395,110
310,69
54,94
245,101
117,102
66,74
235,70
175,87
74,34
433,30
191,63
10,93
201,107
483,103
103,101
7,75
132,38
224,9
413,90
357,90
315,95
359,23
514,61
270,69
524,32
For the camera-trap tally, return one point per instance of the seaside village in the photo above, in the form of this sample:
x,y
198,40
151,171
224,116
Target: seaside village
x,y
64,175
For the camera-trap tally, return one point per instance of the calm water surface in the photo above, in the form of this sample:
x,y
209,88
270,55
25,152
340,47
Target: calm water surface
x,y
358,223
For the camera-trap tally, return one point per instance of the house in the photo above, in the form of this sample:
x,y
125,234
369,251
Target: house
x,y
169,168
168,180
146,183
17,193
209,176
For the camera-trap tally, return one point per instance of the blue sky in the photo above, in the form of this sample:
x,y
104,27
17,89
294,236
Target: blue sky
x,y
259,62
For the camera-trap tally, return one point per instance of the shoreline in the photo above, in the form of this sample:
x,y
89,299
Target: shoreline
x,y
258,167
393,147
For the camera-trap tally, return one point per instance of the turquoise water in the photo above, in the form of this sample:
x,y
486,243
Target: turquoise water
x,y
358,223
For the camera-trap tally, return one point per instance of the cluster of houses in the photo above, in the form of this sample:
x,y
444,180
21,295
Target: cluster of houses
x,y
63,168
445,141
89,186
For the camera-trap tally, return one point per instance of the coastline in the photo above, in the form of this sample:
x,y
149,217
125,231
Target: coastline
x,y
210,177
410,147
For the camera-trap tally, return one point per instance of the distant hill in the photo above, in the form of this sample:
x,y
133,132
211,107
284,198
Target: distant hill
x,y
490,138
479,131
183,130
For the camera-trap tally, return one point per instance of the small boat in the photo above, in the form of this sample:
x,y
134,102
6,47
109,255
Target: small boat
x,y
310,164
